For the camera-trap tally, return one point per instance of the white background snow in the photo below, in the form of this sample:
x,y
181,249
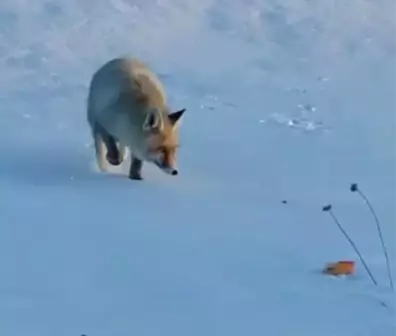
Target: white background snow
x,y
287,100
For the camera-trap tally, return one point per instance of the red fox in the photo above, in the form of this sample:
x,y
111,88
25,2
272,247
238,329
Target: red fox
x,y
127,108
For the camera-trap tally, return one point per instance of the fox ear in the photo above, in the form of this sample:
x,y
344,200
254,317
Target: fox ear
x,y
175,117
152,121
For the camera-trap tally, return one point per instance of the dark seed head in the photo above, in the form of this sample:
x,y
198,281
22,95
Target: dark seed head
x,y
326,208
354,187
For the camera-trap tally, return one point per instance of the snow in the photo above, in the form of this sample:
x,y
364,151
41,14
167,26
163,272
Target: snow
x,y
285,101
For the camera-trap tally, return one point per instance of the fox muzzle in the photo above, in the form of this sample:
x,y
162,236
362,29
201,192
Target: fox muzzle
x,y
167,169
170,170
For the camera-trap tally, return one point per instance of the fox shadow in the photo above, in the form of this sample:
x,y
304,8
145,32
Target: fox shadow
x,y
68,167
47,167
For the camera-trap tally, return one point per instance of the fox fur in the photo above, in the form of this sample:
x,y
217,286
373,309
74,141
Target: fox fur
x,y
127,108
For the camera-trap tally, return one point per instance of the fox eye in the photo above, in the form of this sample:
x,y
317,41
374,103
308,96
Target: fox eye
x,y
166,149
161,149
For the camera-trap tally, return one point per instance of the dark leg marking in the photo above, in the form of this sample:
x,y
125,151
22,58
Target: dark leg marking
x,y
135,171
113,154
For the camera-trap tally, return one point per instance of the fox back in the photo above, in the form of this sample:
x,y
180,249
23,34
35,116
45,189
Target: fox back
x,y
127,107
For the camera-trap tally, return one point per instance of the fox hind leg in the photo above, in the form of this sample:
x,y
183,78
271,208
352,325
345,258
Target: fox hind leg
x,y
123,151
100,152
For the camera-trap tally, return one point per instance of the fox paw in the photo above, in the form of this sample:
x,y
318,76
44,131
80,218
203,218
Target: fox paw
x,y
114,161
136,177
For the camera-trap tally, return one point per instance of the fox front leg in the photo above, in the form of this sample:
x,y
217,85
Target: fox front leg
x,y
113,154
135,170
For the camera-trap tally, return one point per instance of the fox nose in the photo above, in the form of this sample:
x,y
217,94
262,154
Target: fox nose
x,y
170,170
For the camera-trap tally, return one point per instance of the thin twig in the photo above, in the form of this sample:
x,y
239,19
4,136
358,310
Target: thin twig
x,y
379,233
328,209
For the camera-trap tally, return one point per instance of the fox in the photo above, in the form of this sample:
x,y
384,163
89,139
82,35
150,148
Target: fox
x,y
127,108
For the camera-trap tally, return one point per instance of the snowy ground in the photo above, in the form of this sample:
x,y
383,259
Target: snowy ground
x,y
286,101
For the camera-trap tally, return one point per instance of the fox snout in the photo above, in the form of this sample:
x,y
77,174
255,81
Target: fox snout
x,y
169,170
164,158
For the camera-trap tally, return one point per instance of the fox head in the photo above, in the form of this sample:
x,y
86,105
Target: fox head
x,y
162,139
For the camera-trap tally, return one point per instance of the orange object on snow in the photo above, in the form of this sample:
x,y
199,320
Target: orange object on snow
x,y
340,268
